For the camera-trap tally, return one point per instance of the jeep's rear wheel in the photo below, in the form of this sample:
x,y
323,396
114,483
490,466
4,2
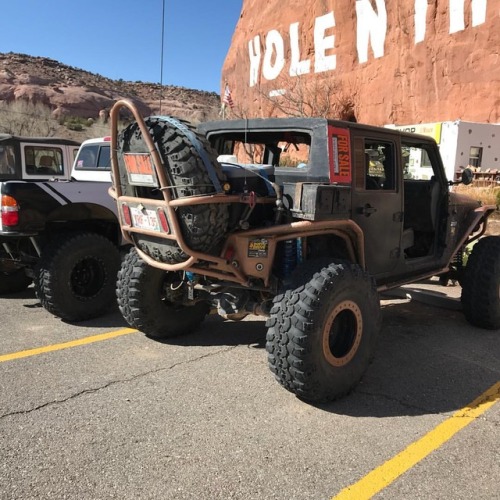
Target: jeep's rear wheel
x,y
14,281
187,157
145,296
321,335
481,284
76,275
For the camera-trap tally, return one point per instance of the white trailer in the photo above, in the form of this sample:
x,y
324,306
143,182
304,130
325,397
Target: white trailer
x,y
461,144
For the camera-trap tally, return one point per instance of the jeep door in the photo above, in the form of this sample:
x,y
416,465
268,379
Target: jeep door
x,y
377,205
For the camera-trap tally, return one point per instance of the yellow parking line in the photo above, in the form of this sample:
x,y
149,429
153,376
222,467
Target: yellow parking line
x,y
65,345
383,476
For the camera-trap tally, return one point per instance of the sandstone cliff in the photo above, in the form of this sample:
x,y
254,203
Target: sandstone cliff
x,y
69,91
387,61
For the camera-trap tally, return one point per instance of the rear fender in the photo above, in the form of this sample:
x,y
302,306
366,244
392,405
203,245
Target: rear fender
x,y
82,211
85,216
253,252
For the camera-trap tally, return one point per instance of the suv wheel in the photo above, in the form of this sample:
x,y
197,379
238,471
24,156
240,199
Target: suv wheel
x,y
144,298
76,275
321,335
481,284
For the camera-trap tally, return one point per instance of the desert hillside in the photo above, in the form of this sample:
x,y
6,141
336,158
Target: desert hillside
x,y
76,97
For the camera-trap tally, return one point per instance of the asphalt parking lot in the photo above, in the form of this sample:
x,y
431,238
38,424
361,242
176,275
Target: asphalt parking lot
x,y
99,411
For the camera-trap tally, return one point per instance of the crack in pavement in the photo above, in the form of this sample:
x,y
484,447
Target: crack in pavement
x,y
115,382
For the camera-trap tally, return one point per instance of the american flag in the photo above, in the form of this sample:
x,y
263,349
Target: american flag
x,y
227,99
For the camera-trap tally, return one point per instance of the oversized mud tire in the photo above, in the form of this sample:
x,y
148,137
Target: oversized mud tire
x,y
481,284
76,275
143,301
321,335
14,282
187,158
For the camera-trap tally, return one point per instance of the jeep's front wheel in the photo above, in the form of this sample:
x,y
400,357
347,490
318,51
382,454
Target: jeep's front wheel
x,y
321,335
150,300
76,275
481,284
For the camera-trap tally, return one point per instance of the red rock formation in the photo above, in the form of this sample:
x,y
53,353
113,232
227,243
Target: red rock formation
x,y
73,92
434,59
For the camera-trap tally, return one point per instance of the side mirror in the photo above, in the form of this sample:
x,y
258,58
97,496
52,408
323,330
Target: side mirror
x,y
467,176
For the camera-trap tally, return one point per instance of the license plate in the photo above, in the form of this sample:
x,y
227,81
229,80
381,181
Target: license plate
x,y
144,219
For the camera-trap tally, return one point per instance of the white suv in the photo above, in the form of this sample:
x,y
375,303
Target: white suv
x,y
93,161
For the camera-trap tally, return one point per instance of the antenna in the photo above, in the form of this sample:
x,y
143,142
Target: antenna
x,y
161,55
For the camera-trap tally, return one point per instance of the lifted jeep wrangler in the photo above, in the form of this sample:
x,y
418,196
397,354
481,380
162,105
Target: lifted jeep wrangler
x,y
302,220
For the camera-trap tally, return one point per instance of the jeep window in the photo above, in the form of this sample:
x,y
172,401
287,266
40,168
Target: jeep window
x,y
44,160
380,166
8,162
416,163
94,157
294,155
422,194
280,149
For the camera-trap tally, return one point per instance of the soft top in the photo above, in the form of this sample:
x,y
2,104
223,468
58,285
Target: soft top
x,y
43,140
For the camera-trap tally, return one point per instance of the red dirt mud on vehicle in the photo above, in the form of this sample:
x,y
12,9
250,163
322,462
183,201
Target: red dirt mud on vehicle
x,y
301,220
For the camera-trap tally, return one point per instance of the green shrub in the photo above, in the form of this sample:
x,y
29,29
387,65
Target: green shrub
x,y
75,123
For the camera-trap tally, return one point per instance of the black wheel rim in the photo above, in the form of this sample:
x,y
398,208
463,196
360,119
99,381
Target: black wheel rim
x,y
87,278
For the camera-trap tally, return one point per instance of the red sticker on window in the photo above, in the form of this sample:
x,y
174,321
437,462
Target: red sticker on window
x,y
339,151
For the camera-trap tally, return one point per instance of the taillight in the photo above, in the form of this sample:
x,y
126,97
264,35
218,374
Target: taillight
x,y
163,220
127,218
10,211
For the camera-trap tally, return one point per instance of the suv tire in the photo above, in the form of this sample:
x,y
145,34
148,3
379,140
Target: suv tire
x,y
76,275
481,284
143,302
321,335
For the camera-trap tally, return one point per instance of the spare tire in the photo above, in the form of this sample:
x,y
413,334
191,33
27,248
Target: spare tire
x,y
192,170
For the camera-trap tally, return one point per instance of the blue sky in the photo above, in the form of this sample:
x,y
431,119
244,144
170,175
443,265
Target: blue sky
x,y
122,38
